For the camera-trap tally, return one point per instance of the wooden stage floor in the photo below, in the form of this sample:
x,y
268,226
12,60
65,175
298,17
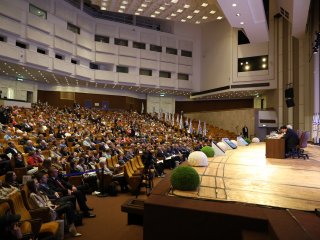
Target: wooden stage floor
x,y
246,175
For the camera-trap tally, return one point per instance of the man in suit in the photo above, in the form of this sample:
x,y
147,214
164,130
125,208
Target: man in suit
x,y
12,149
51,194
245,131
291,139
57,184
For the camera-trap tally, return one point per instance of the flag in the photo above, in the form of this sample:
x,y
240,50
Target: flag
x,y
190,127
177,121
204,132
166,117
187,122
142,108
199,127
172,120
181,122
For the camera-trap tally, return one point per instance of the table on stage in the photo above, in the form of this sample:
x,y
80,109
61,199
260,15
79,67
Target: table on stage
x,y
275,148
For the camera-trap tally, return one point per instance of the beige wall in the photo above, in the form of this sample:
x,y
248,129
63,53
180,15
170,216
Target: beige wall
x,y
231,120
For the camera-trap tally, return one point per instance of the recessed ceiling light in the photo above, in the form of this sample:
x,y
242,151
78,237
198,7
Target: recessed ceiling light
x,y
162,8
104,4
179,10
204,17
157,12
264,65
186,6
212,12
174,1
204,4
197,22
189,17
123,7
238,14
196,11
137,13
173,14
168,18
241,23
183,20
219,18
153,16
120,10
234,4
140,9
144,5
124,2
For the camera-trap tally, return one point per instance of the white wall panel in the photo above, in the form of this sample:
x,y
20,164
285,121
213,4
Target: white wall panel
x,y
149,55
165,57
105,75
10,25
149,80
253,49
106,58
63,45
149,38
168,67
167,82
10,51
168,41
39,23
37,59
10,11
127,61
85,42
86,23
84,53
66,11
107,48
128,33
185,45
127,78
63,66
84,72
185,60
185,84
38,36
148,64
106,30
185,69
64,33
127,51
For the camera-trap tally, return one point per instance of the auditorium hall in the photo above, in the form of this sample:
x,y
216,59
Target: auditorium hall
x,y
159,119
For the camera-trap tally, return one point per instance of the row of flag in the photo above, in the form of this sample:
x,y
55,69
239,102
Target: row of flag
x,y
170,118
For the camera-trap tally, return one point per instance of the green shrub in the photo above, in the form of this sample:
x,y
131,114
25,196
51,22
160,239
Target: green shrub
x,y
208,151
247,140
185,178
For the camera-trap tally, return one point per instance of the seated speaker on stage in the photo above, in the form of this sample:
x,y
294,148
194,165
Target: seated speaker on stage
x,y
291,139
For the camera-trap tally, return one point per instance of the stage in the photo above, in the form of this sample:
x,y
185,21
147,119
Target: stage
x,y
242,195
246,175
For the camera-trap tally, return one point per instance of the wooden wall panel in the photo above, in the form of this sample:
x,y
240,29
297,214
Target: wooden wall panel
x,y
115,102
213,105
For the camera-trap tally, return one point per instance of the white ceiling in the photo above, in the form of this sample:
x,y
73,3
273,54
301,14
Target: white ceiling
x,y
249,15
191,11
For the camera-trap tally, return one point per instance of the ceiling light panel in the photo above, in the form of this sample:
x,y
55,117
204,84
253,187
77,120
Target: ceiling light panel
x,y
164,9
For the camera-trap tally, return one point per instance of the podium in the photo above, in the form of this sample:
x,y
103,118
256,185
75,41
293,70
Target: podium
x,y
275,148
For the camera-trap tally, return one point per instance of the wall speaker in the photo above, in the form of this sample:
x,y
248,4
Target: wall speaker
x,y
288,93
290,102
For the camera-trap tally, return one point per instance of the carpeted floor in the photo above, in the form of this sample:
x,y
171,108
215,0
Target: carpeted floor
x,y
110,222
